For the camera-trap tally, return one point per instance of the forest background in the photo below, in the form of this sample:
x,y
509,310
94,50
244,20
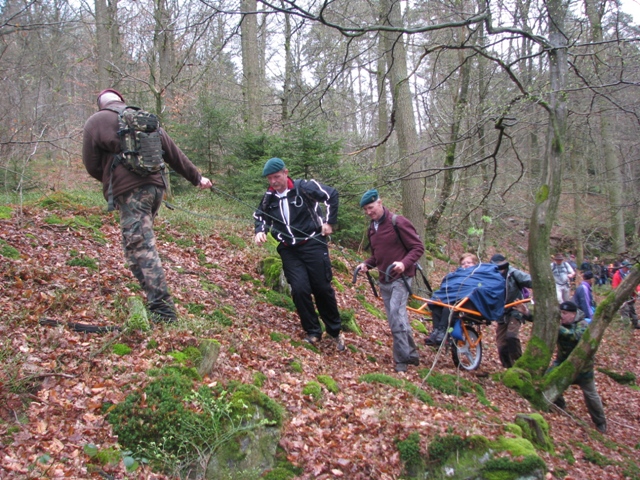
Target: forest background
x,y
485,124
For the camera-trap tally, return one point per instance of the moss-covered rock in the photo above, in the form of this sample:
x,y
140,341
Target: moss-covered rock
x,y
535,429
349,324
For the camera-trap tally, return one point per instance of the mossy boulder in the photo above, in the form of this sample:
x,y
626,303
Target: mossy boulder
x,y
271,268
183,427
457,458
535,429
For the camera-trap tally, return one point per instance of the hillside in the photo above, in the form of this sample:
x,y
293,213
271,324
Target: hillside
x,y
54,381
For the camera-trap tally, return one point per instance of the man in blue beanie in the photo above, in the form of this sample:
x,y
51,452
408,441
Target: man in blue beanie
x,y
394,243
300,215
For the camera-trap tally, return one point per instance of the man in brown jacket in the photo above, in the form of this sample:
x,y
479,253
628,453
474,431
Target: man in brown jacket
x,y
137,198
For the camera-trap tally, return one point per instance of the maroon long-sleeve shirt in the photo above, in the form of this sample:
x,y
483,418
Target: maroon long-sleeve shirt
x,y
387,246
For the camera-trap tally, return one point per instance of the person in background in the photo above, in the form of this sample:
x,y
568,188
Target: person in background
x,y
291,211
604,273
562,274
394,243
628,308
586,264
572,327
583,296
440,315
508,330
137,198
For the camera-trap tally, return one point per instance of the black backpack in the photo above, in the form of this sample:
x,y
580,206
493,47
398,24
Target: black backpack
x,y
140,142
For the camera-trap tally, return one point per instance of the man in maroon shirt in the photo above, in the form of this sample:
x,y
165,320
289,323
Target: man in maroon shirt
x,y
394,243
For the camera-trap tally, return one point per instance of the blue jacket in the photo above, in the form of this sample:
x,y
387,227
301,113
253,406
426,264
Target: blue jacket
x,y
583,298
483,284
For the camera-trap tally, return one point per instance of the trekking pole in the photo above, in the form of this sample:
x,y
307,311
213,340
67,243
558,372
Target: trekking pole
x,y
387,276
369,277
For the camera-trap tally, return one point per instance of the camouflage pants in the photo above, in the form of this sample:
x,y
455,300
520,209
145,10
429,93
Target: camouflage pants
x,y
138,209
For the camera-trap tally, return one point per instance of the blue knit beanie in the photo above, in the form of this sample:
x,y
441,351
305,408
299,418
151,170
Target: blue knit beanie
x,y
273,165
369,197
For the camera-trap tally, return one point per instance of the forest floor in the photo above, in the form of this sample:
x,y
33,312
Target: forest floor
x,y
54,381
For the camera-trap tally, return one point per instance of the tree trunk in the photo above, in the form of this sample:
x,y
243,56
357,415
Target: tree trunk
x,y
544,333
557,381
405,126
250,65
595,11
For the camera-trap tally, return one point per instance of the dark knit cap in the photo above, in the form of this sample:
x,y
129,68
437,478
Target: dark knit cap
x,y
568,307
369,196
587,275
497,258
273,165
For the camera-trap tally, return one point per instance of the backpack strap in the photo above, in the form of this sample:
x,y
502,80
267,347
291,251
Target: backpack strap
x,y
394,222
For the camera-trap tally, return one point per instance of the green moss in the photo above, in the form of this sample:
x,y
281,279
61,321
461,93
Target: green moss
x,y
504,468
626,378
518,447
442,447
373,310
520,381
514,429
8,251
397,383
594,457
83,261
348,320
337,285
419,327
189,356
280,300
296,366
535,358
121,349
245,277
314,390
249,394
542,194
329,383
409,450
277,337
272,269
352,348
541,437
339,266
234,240
5,212
448,384
372,359
258,379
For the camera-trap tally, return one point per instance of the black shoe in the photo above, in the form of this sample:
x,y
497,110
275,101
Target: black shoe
x,y
414,361
601,427
560,403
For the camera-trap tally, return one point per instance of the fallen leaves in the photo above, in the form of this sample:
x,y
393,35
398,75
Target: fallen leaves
x,y
345,435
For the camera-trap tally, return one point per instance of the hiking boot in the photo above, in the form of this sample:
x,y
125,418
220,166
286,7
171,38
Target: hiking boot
x,y
560,403
414,361
312,339
435,339
401,367
339,341
601,427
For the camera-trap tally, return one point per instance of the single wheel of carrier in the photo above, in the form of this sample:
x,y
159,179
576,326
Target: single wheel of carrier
x,y
467,355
